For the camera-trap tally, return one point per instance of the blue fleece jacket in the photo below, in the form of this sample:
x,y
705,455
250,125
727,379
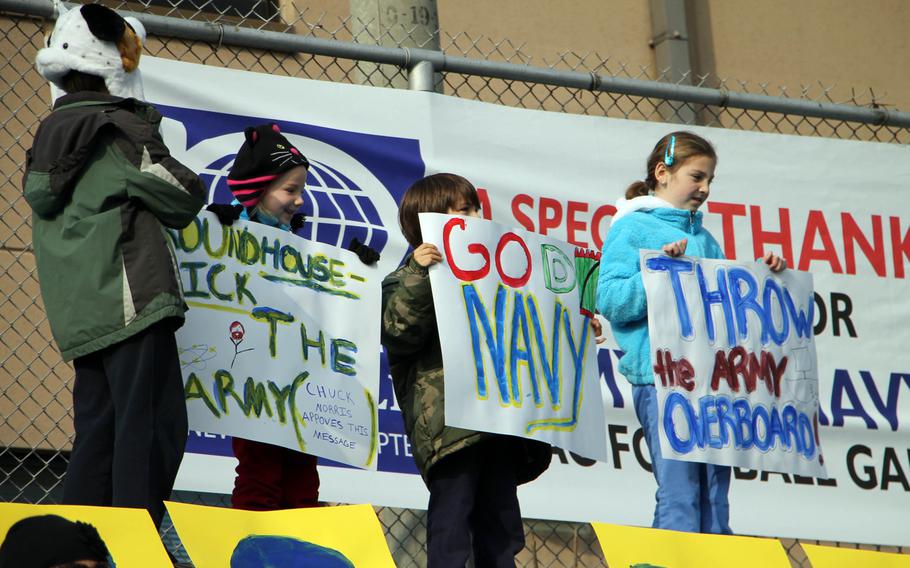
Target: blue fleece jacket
x,y
642,223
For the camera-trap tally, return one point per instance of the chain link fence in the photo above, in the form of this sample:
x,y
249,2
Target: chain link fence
x,y
36,432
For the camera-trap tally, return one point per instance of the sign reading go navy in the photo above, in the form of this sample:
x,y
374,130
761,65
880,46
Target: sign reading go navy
x,y
352,190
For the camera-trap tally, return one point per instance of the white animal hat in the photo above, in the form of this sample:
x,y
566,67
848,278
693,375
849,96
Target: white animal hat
x,y
96,40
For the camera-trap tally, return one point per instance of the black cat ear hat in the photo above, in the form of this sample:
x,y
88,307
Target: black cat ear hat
x,y
265,155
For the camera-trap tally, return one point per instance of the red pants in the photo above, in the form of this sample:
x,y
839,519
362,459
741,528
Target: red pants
x,y
272,477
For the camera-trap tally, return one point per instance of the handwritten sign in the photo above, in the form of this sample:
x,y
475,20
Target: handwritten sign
x,y
281,342
330,537
734,363
518,353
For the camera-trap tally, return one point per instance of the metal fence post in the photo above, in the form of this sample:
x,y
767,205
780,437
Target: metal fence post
x,y
421,77
670,42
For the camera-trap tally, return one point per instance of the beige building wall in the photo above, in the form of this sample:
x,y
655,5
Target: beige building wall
x,y
840,44
599,29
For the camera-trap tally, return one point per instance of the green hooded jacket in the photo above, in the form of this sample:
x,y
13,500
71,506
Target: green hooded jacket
x,y
102,186
411,339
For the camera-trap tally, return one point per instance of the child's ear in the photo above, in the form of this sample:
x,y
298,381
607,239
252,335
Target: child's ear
x,y
251,135
104,23
660,171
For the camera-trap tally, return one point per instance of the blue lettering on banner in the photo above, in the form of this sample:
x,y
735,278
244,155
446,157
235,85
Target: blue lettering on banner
x,y
719,421
738,293
719,296
673,267
522,352
846,402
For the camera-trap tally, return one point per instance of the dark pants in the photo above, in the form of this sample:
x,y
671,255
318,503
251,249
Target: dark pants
x,y
474,506
272,477
130,421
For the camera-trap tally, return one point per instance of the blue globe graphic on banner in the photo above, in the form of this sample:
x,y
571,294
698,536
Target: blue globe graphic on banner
x,y
337,208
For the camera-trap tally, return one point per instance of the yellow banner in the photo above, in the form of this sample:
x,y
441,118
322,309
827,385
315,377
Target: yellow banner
x,y
832,557
640,547
129,534
332,537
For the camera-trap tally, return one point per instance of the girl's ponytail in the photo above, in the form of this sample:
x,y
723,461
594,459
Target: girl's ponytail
x,y
637,189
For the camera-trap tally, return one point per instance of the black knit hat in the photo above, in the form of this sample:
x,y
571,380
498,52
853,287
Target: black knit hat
x,y
49,540
265,155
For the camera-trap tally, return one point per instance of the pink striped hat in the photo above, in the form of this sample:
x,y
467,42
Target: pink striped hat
x,y
264,156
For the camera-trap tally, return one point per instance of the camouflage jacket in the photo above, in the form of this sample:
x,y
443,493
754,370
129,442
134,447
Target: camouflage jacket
x,y
411,340
415,359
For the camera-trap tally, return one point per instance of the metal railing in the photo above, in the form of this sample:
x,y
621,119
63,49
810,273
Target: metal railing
x,y
35,384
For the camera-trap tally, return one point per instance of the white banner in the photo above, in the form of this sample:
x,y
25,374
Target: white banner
x,y
267,350
734,363
519,357
834,208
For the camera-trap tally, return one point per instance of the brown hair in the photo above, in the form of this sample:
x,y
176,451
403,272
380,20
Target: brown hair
x,y
77,81
686,145
432,194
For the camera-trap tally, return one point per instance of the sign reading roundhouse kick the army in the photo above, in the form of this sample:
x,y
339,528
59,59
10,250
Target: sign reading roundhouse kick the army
x,y
281,342
518,353
734,363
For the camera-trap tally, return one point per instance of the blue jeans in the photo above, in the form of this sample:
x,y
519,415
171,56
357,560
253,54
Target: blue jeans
x,y
691,497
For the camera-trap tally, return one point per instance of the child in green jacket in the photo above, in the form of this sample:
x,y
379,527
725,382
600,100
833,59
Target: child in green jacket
x,y
103,186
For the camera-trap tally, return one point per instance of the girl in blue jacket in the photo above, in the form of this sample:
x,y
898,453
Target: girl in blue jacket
x,y
661,213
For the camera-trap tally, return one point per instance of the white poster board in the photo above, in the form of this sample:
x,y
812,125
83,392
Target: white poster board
x,y
518,354
734,363
268,351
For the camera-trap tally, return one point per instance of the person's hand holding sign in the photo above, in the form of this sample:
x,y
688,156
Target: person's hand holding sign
x,y
675,249
427,254
598,330
774,262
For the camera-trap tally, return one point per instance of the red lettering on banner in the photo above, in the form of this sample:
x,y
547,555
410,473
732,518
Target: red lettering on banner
x,y
816,224
738,362
520,216
599,214
474,248
485,210
727,211
674,373
573,225
760,237
550,215
900,247
722,371
875,253
509,280
736,359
